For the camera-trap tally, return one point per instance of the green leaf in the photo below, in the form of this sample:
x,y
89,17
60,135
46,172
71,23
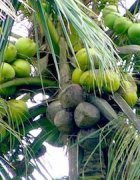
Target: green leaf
x,y
127,110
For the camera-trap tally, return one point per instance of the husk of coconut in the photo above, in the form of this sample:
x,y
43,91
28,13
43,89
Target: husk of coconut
x,y
52,109
71,96
86,115
64,121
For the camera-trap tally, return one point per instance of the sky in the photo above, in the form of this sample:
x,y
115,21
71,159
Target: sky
x,y
127,4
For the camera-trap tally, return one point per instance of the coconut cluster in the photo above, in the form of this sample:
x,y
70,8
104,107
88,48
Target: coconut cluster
x,y
78,113
106,81
74,113
71,112
15,65
14,113
120,24
90,80
16,62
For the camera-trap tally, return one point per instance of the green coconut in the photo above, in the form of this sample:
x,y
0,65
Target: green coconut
x,y
110,19
129,92
87,81
10,53
18,111
83,60
99,79
130,97
26,47
121,25
111,81
22,68
7,72
108,9
76,75
134,33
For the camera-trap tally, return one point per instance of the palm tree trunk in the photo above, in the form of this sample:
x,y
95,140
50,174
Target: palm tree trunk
x,y
93,166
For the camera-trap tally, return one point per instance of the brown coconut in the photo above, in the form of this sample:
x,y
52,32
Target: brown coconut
x,y
86,115
64,121
52,109
71,96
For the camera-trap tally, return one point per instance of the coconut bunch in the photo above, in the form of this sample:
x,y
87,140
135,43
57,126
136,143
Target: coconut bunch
x,y
75,113
13,113
81,114
16,62
102,81
120,24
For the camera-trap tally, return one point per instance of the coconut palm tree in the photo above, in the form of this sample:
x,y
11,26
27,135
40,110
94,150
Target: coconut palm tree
x,y
109,149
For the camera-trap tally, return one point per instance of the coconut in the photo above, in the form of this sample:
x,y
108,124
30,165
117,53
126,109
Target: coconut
x,y
76,75
75,39
7,72
130,78
83,59
126,86
110,19
121,25
18,111
99,78
64,121
129,92
134,33
26,47
130,97
108,9
86,115
87,81
10,53
71,96
52,109
22,68
111,81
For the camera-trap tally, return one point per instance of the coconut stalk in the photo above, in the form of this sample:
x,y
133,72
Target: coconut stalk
x,y
64,82
63,65
34,81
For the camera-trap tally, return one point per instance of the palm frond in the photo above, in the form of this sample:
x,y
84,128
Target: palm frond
x,y
38,7
124,154
124,149
6,8
88,31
